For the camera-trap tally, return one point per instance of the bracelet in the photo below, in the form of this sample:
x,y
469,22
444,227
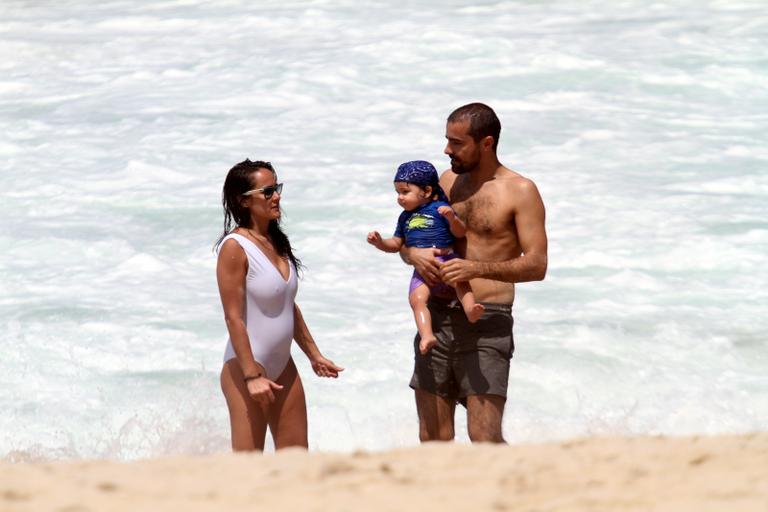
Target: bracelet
x,y
252,377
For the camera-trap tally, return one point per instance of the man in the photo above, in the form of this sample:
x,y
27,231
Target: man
x,y
506,243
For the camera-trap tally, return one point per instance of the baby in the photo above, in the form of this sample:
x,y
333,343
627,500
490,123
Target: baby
x,y
428,221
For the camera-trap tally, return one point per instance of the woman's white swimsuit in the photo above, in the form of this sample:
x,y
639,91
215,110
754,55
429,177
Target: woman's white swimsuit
x,y
268,311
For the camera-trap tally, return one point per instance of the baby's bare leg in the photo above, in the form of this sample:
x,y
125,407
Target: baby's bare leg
x,y
418,300
472,309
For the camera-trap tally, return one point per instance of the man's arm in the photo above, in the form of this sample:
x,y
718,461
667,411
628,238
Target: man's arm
x,y
424,261
532,236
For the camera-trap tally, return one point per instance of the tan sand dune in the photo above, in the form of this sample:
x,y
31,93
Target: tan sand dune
x,y
699,474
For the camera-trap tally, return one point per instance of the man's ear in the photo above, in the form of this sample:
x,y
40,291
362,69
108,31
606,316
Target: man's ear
x,y
487,142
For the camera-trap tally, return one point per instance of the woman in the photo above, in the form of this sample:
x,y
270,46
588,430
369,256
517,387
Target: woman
x,y
256,272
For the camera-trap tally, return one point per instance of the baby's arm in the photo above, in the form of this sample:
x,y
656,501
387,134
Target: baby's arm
x,y
385,244
458,228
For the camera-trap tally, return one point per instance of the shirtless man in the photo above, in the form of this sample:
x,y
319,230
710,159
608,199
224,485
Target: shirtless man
x,y
506,243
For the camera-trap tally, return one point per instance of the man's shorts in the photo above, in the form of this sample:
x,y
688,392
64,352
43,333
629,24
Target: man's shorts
x,y
469,359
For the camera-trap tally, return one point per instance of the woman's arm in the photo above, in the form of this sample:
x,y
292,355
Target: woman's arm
x,y
321,366
231,270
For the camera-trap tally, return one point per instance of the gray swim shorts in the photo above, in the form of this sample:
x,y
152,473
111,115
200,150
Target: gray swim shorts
x,y
469,359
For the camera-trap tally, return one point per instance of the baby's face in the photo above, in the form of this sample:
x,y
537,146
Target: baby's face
x,y
410,196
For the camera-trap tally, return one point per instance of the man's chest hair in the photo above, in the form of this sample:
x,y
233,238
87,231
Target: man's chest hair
x,y
484,214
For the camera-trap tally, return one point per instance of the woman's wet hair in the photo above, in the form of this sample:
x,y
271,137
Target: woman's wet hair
x,y
237,183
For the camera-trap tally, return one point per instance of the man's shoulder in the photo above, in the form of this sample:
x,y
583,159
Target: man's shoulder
x,y
514,181
447,176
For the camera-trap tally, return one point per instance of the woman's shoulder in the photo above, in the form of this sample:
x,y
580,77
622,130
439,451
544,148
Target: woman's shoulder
x,y
231,242
239,234
232,257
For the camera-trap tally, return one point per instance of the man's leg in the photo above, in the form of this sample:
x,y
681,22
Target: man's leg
x,y
483,371
432,374
435,416
484,413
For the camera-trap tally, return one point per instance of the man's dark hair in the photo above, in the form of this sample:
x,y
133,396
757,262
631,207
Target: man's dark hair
x,y
482,121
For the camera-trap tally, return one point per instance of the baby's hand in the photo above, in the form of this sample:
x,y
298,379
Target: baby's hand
x,y
374,238
447,212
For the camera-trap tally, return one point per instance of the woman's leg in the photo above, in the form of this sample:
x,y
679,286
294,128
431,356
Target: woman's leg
x,y
247,420
472,309
288,415
418,299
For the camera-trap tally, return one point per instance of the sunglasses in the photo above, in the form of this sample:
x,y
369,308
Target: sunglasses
x,y
267,191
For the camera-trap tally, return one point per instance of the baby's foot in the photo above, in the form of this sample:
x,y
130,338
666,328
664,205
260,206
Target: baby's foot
x,y
426,344
474,314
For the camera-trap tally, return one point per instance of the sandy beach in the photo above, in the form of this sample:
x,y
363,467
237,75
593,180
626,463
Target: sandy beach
x,y
725,473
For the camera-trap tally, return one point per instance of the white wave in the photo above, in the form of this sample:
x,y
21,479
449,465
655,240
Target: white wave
x,y
637,121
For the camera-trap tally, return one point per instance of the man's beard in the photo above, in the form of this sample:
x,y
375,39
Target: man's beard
x,y
460,167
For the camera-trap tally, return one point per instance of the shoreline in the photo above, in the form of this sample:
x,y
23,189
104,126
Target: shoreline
x,y
702,473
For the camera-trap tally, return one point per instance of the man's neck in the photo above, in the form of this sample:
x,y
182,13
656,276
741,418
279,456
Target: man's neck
x,y
485,171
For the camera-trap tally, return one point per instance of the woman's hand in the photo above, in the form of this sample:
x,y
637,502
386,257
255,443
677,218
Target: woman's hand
x,y
262,390
325,367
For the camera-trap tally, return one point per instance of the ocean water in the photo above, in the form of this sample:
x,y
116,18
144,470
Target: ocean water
x,y
643,124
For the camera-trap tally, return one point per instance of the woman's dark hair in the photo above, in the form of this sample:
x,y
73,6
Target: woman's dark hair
x,y
237,183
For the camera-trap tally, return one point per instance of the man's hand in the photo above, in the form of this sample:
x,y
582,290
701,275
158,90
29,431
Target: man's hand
x,y
457,269
325,367
425,263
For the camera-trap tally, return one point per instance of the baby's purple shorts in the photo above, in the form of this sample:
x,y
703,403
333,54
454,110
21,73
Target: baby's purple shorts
x,y
440,288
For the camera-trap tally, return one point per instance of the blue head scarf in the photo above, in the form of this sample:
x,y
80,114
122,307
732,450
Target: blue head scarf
x,y
421,173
